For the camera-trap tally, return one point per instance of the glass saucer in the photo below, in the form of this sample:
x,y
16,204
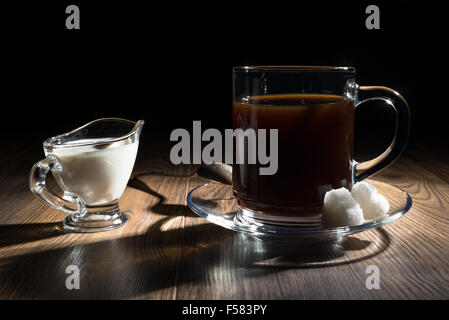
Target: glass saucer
x,y
214,201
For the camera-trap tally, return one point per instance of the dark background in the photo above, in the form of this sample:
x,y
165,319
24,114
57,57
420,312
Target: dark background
x,y
170,63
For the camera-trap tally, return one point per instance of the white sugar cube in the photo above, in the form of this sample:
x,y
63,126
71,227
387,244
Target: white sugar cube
x,y
340,209
374,205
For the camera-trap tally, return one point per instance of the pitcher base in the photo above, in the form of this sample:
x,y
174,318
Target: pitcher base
x,y
96,222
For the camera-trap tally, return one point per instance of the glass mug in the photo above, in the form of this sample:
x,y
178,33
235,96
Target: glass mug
x,y
312,107
92,165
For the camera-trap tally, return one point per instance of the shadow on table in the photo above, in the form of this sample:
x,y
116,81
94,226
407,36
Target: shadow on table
x,y
152,263
21,233
160,207
324,254
290,254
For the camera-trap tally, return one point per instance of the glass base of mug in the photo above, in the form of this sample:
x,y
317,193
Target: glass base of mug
x,y
291,217
97,218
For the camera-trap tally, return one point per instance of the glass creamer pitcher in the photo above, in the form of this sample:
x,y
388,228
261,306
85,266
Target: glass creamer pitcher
x,y
92,165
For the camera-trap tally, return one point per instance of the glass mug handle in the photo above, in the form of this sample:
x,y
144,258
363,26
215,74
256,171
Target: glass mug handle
x,y
401,109
38,186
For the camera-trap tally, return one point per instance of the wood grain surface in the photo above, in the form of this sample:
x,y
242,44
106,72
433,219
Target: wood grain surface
x,y
165,251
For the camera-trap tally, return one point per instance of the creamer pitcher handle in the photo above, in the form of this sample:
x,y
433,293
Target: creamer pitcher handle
x,y
38,186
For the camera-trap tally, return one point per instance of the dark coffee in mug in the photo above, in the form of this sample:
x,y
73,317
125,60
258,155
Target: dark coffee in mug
x,y
315,151
312,107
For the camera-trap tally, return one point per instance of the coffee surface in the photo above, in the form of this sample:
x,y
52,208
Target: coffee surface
x,y
315,141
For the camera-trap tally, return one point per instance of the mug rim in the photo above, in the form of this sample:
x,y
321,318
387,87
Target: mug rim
x,y
293,68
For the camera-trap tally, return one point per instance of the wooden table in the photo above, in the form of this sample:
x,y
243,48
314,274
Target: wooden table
x,y
166,252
